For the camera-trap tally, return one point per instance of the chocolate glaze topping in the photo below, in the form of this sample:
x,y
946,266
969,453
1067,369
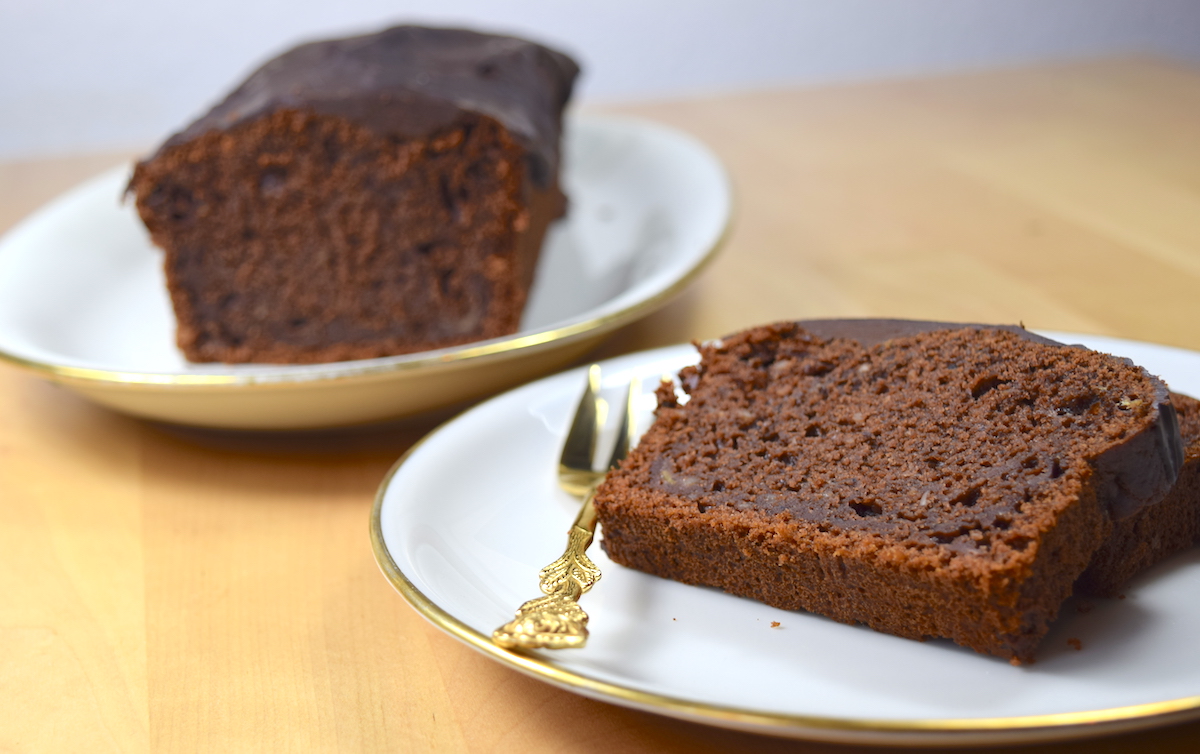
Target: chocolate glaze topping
x,y
408,81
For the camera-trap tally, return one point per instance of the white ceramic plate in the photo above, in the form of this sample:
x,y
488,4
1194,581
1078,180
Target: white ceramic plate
x,y
83,302
464,522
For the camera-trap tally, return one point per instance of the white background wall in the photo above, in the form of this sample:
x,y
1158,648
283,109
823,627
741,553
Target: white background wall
x,y
88,75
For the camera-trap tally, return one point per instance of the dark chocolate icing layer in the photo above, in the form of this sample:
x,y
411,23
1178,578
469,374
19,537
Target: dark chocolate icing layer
x,y
408,81
870,332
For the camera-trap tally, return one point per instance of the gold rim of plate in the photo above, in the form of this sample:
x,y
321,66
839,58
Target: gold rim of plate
x,y
912,732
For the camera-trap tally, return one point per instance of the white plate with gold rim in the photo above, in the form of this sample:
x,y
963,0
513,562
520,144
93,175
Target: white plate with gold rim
x,y
83,302
465,520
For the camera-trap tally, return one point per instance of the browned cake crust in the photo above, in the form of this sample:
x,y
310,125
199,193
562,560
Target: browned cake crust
x,y
926,482
361,198
1156,531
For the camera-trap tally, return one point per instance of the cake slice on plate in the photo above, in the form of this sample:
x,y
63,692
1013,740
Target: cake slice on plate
x,y
925,479
1155,531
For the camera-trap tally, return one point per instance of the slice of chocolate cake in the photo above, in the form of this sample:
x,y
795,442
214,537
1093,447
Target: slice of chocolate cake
x,y
927,480
1155,531
362,197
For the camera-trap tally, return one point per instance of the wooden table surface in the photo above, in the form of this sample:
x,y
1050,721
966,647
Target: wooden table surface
x,y
168,589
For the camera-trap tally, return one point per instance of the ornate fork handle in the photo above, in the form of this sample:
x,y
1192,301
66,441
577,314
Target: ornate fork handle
x,y
556,621
574,572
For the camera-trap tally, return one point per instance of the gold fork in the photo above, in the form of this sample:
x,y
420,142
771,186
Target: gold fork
x,y
556,621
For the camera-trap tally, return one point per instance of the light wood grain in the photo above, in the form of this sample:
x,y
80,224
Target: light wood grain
x,y
166,589
1064,197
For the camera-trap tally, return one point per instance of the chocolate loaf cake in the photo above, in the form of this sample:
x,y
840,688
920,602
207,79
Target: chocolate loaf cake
x,y
925,479
362,197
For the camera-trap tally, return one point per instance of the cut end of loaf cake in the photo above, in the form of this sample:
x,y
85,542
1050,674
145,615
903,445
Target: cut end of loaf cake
x,y
302,237
949,483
